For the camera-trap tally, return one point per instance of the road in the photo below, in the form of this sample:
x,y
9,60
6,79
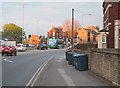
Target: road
x,y
18,70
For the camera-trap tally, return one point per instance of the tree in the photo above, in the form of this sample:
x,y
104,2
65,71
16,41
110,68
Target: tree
x,y
13,31
67,27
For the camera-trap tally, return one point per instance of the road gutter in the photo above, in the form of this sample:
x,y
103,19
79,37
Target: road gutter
x,y
37,73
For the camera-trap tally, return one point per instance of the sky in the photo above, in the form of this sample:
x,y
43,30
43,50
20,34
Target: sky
x,y
39,17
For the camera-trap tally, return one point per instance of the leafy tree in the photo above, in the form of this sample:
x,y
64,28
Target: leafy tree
x,y
13,31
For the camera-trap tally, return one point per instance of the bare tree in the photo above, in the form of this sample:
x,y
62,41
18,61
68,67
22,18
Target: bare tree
x,y
67,27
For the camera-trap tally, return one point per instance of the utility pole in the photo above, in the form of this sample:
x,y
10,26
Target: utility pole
x,y
72,26
23,21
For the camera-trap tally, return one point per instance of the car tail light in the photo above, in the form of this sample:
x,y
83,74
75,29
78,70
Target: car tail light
x,y
10,48
2,48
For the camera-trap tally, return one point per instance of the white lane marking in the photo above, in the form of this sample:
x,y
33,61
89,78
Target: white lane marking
x,y
8,60
37,73
67,79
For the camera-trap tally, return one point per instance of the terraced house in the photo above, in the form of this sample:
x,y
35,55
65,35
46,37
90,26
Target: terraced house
x,y
88,35
111,22
56,32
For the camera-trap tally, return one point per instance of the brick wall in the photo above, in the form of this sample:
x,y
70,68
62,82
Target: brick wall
x,y
86,46
105,63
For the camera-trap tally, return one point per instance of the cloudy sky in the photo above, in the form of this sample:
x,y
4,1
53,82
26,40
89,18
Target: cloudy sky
x,y
39,17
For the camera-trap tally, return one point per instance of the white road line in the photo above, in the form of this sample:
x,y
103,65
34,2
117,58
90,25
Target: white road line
x,y
37,73
8,60
67,79
43,66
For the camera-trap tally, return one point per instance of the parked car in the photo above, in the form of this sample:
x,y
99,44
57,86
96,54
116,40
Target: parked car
x,y
21,47
9,50
42,46
1,48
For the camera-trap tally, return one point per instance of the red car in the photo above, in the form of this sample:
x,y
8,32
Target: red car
x,y
9,50
1,49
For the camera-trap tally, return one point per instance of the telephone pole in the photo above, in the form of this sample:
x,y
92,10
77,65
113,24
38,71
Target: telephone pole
x,y
72,27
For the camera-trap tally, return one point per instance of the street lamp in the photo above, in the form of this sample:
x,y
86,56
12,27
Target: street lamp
x,y
83,15
23,21
38,22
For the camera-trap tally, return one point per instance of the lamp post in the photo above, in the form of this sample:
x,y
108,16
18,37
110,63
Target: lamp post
x,y
23,21
38,22
83,25
83,17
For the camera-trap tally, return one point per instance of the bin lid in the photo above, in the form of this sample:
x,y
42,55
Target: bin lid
x,y
67,51
78,54
70,52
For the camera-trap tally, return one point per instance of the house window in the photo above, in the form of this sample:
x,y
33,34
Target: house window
x,y
88,36
53,33
103,39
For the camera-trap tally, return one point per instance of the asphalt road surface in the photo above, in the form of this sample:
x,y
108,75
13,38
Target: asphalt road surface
x,y
18,70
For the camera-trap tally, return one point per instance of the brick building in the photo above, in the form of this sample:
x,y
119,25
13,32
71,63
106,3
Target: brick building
x,y
111,12
56,32
87,35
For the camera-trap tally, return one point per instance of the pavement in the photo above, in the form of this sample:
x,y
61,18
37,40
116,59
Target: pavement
x,y
57,72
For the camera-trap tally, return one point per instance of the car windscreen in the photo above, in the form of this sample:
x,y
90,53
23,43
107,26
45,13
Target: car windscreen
x,y
18,45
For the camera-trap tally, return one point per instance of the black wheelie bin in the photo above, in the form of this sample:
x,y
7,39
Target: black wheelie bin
x,y
81,62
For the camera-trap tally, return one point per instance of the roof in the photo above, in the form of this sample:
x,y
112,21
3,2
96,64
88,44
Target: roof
x,y
103,30
91,31
57,30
